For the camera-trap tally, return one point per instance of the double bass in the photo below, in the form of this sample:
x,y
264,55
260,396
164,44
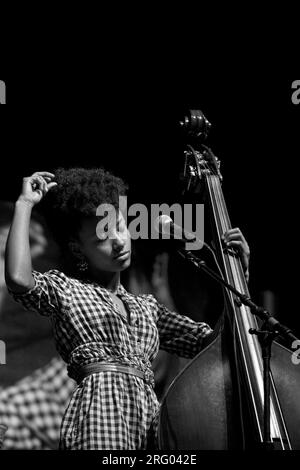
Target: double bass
x,y
217,401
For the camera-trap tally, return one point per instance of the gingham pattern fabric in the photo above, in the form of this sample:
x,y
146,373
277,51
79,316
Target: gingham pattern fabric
x,y
110,410
32,409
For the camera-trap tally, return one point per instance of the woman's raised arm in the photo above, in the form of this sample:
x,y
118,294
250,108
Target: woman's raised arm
x,y
18,267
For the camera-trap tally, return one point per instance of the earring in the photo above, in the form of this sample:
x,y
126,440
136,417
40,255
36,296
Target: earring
x,y
78,258
82,266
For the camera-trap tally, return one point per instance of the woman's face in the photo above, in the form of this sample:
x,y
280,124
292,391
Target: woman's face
x,y
106,250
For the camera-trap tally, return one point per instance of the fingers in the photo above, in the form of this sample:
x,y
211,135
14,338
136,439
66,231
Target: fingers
x,y
233,234
51,185
37,182
44,173
235,243
235,238
42,183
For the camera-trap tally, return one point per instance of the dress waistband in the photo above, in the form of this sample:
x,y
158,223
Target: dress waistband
x,y
95,367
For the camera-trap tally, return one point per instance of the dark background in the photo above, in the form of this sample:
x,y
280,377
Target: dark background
x,y
131,127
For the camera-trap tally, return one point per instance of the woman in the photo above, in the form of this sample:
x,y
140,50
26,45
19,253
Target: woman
x,y
107,336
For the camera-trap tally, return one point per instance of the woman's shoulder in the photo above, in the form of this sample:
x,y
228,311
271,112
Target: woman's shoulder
x,y
145,296
71,280
56,274
147,299
60,278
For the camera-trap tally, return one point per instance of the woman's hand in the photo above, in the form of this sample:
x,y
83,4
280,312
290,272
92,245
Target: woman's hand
x,y
36,186
234,238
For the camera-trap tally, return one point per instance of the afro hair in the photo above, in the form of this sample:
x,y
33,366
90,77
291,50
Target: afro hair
x,y
78,193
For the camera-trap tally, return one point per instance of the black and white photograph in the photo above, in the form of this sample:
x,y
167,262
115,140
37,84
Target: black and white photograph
x,y
149,290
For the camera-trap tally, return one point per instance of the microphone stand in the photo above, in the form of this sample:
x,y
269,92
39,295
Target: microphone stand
x,y
271,328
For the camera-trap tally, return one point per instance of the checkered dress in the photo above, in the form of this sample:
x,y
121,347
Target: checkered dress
x,y
32,408
110,410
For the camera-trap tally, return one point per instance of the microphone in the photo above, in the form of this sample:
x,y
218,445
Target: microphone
x,y
165,225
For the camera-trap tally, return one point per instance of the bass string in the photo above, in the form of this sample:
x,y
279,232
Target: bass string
x,y
228,271
223,224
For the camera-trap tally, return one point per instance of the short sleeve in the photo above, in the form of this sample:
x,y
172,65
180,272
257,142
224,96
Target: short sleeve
x,y
49,295
178,333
